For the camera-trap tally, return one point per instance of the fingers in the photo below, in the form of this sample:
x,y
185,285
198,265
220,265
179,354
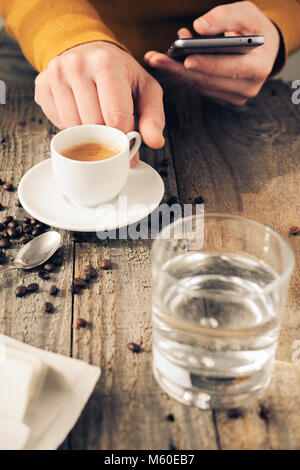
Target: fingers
x,y
244,66
231,91
87,101
44,98
115,96
231,17
150,112
184,33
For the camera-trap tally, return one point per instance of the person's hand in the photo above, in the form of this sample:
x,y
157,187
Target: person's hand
x,y
99,83
226,78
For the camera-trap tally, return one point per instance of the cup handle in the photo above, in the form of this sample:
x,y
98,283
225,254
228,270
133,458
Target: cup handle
x,y
138,140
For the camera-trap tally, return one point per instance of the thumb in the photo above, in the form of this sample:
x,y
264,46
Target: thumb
x,y
242,16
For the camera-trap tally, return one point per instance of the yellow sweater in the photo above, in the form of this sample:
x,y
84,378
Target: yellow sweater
x,y
46,28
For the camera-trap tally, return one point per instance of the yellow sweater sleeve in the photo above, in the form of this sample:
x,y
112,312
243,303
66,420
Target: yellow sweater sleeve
x,y
286,15
45,29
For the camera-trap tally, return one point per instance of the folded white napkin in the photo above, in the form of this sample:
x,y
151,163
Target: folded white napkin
x,y
41,419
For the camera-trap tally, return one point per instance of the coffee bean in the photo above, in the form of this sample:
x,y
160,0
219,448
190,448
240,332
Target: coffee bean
x,y
11,232
198,200
54,290
19,230
81,323
8,187
170,418
33,221
135,348
49,267
4,243
28,229
12,224
18,204
1,207
57,260
86,277
264,413
21,291
35,232
44,275
48,307
105,264
3,234
79,282
2,257
294,230
234,413
91,271
26,220
39,226
75,289
25,238
7,219
34,287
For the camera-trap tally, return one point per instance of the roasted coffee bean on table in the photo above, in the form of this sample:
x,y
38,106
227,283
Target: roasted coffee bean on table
x,y
11,232
79,282
48,307
4,242
86,277
44,275
7,219
21,291
34,287
81,323
25,238
8,187
135,348
54,290
75,289
49,267
295,230
57,260
105,264
91,271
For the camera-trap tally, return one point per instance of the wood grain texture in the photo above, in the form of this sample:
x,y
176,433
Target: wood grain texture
x,y
240,161
272,422
243,161
24,141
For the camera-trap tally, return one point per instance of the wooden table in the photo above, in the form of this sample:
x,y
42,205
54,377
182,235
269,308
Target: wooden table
x,y
242,161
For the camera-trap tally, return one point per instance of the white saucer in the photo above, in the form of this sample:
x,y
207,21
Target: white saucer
x,y
41,198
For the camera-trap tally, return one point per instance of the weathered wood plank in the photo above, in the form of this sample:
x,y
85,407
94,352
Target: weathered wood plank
x,y
243,161
272,422
24,141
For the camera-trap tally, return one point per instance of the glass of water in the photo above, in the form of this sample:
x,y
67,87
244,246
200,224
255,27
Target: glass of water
x,y
220,284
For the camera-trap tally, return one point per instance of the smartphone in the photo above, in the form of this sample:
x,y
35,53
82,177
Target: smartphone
x,y
181,48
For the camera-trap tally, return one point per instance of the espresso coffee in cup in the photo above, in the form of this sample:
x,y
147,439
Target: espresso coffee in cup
x,y
91,151
90,163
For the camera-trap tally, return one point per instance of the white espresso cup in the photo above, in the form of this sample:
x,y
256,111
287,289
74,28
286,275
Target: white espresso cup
x,y
90,183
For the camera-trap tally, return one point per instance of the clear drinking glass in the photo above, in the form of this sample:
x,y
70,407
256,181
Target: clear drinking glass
x,y
220,284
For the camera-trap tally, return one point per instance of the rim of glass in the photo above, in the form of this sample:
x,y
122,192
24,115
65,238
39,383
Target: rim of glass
x,y
218,215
